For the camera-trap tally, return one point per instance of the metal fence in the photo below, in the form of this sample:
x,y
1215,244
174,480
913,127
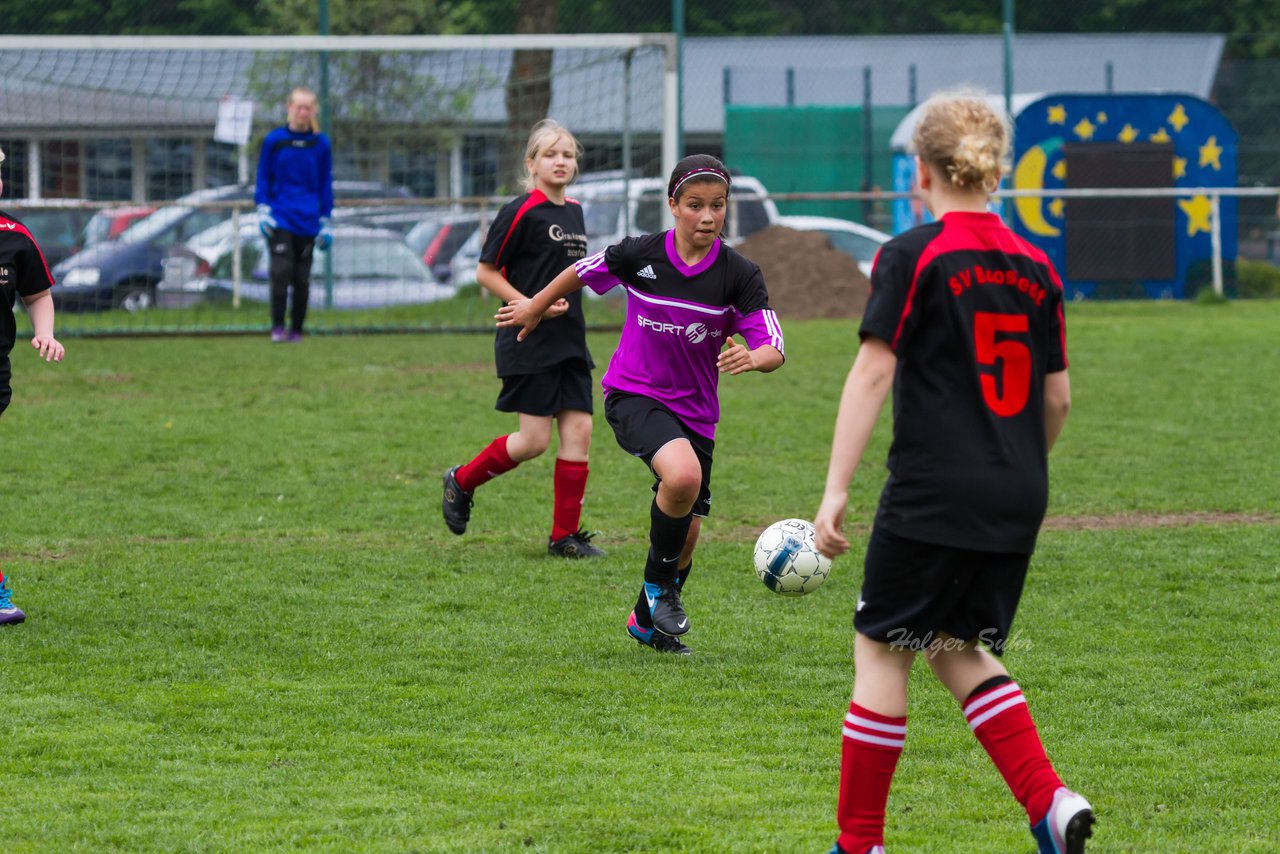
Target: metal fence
x,y
115,142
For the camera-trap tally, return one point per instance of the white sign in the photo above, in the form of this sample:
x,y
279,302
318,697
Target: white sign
x,y
235,118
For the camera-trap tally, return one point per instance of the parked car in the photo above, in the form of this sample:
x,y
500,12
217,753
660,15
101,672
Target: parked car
x,y
437,241
435,231
109,223
861,242
608,219
56,228
462,268
371,268
123,273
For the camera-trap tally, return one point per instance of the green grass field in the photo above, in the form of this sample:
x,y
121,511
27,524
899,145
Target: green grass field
x,y
248,628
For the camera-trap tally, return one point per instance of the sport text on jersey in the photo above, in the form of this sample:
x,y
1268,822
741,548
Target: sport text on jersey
x,y
694,333
962,281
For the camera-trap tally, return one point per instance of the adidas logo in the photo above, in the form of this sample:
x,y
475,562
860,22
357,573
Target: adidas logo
x,y
647,272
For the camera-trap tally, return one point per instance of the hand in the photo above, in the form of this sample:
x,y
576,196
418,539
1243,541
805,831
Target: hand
x,y
827,524
266,222
325,238
557,308
519,312
48,347
735,358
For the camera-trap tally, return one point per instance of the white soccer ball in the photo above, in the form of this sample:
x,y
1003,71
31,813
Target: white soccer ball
x,y
787,560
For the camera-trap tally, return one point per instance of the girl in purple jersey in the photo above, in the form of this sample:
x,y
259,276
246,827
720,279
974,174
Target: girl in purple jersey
x,y
977,362
528,243
687,295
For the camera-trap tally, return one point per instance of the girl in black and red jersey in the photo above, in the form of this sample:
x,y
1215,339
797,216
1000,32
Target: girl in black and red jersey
x,y
23,273
548,378
965,323
688,294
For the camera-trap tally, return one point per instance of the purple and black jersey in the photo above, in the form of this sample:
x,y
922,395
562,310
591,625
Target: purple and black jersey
x,y
23,272
678,319
974,315
532,240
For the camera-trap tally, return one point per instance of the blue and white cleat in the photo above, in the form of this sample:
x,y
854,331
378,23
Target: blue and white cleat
x,y
655,639
1066,826
10,614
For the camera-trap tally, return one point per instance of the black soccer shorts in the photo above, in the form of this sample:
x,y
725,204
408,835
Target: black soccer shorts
x,y
913,591
565,386
643,425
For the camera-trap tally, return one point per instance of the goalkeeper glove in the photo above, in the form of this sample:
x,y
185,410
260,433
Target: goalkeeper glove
x,y
266,222
325,238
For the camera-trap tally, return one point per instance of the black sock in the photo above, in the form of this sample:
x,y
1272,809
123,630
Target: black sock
x,y
644,619
666,540
993,682
682,575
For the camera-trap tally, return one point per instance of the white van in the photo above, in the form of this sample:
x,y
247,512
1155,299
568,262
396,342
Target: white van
x,y
608,220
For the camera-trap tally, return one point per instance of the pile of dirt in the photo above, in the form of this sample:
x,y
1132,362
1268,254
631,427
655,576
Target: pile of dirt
x,y
806,277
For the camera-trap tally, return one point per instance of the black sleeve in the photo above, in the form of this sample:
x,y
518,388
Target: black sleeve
x,y
620,258
33,271
751,294
502,241
1057,343
888,312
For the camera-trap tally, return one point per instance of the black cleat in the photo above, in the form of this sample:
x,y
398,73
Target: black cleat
x,y
666,609
574,545
457,503
655,639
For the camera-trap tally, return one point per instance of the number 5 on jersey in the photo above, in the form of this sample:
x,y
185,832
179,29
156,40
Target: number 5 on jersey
x,y
1011,356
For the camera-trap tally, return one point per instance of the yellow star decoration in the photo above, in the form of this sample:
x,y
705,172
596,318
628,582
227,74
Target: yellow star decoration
x,y
1210,153
1197,210
1057,207
1128,133
1179,167
1084,129
1060,170
1101,118
1178,118
1057,115
1161,135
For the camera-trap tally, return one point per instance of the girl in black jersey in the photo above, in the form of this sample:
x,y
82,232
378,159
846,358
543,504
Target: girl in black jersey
x,y
965,321
687,295
23,273
530,240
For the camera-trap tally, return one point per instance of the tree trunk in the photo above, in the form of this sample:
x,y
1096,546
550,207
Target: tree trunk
x,y
528,89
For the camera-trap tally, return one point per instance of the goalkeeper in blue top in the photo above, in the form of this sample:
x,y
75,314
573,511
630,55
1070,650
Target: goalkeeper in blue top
x,y
295,200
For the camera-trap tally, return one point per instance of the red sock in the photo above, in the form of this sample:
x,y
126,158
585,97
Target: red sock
x,y
487,465
570,485
872,745
1000,719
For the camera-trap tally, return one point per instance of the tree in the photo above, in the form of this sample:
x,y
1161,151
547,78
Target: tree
x,y
528,84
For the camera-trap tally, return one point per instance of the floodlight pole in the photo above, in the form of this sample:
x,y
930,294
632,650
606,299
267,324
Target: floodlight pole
x,y
326,126
1008,58
677,20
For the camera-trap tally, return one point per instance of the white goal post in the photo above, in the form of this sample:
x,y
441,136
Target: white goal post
x,y
98,85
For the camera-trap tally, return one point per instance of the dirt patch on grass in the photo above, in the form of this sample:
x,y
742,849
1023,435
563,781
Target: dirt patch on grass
x,y
805,277
1116,521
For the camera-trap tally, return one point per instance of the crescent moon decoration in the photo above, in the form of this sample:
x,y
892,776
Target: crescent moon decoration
x,y
1028,174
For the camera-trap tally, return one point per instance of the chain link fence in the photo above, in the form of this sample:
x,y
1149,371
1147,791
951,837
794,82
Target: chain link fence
x,y
114,165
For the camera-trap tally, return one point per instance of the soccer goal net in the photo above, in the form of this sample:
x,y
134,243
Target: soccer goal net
x,y
132,160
